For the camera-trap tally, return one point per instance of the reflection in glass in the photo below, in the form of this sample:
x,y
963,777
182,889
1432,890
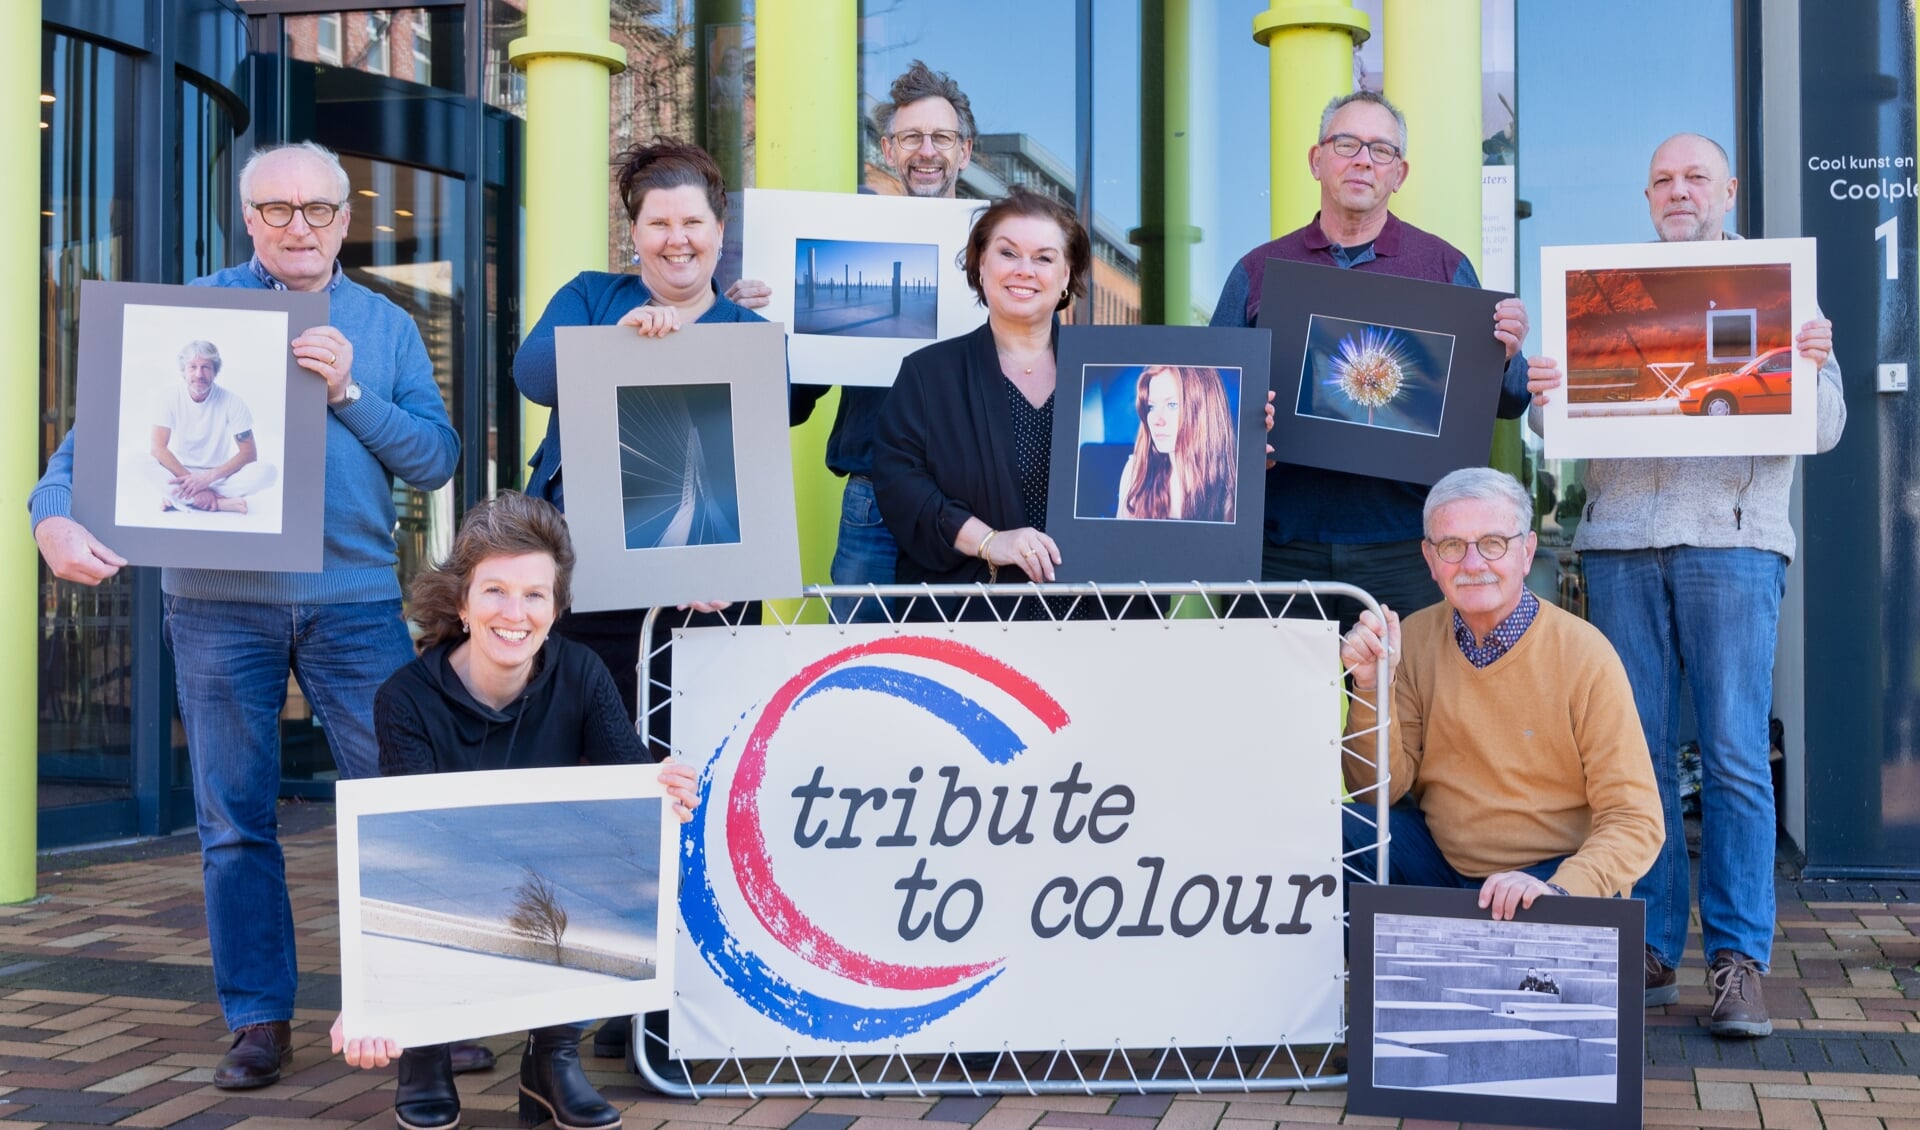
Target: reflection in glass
x,y
1023,107
418,45
86,634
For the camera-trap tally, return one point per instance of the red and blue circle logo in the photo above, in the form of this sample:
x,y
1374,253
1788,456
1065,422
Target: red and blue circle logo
x,y
747,974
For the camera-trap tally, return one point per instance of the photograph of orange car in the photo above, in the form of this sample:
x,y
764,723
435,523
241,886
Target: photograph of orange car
x,y
1684,341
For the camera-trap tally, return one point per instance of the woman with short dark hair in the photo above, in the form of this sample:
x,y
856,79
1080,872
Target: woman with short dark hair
x,y
962,458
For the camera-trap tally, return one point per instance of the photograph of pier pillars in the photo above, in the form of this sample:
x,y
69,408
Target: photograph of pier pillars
x,y
855,288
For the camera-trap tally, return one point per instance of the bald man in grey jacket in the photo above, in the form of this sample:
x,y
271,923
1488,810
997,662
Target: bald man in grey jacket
x,y
1685,560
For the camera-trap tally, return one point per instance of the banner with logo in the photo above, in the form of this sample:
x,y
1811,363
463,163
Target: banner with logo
x,y
1024,835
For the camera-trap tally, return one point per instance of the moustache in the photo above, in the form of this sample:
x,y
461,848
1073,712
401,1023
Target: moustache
x,y
1487,578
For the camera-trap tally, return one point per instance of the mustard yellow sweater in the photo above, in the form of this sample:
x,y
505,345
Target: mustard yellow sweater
x,y
1537,755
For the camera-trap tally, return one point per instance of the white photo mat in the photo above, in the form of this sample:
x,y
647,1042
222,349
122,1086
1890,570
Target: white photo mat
x,y
777,221
598,982
1676,433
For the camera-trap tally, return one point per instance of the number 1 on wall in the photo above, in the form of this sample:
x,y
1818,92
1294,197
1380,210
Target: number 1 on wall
x,y
1890,231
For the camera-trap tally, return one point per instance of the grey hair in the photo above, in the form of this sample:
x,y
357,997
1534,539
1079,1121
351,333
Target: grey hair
x,y
314,150
1371,98
199,348
1478,484
920,82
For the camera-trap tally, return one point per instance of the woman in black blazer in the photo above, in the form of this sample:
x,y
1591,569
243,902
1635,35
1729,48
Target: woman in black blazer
x,y
964,446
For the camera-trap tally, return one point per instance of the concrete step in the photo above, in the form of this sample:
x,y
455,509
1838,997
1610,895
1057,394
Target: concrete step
x,y
1420,1016
1396,1066
1483,1055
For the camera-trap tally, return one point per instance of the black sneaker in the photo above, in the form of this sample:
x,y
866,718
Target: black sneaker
x,y
1738,1008
1663,985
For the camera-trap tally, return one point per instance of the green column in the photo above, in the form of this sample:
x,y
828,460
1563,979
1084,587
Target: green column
x,y
19,446
807,136
567,56
1166,234
1432,60
1309,61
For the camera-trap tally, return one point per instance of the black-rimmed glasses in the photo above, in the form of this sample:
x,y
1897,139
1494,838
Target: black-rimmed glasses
x,y
1492,547
1347,145
910,140
279,213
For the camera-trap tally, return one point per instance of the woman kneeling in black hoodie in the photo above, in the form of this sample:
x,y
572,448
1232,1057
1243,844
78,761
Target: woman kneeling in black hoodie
x,y
492,690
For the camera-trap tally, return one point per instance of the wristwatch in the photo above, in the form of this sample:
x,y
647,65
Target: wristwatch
x,y
351,396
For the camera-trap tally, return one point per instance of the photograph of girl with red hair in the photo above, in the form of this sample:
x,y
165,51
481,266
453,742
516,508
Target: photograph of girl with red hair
x,y
1186,454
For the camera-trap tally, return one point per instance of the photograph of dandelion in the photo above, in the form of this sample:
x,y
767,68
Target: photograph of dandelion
x,y
1379,376
459,909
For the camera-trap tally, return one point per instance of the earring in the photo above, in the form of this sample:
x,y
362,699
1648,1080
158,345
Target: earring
x,y
463,627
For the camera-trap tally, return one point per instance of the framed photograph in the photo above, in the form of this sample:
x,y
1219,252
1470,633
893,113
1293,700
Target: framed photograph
x,y
679,477
198,440
478,903
1378,375
1534,1021
1159,453
1680,348
860,280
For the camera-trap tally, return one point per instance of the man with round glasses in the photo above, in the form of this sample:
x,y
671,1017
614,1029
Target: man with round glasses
x,y
235,634
1326,525
1517,764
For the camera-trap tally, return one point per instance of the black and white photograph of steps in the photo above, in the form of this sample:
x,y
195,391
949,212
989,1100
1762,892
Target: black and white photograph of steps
x,y
1451,1003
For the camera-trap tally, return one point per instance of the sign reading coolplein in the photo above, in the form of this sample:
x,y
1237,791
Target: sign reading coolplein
x,y
1014,835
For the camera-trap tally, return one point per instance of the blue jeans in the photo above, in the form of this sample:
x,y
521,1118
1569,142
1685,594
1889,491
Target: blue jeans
x,y
1716,612
231,660
865,554
1412,856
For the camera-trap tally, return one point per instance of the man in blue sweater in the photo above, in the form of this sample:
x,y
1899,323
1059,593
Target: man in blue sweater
x,y
1330,525
235,634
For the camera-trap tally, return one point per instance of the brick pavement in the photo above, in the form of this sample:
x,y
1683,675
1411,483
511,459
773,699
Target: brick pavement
x,y
106,1018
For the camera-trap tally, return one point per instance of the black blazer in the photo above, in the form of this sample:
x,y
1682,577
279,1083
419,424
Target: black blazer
x,y
943,453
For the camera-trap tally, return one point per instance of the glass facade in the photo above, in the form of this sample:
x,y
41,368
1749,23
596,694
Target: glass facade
x,y
1150,116
86,213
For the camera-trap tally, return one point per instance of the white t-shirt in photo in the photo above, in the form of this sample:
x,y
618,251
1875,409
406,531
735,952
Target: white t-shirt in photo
x,y
203,433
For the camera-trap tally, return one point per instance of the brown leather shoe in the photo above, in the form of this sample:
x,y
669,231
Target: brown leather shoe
x,y
470,1057
1663,985
255,1058
1738,1008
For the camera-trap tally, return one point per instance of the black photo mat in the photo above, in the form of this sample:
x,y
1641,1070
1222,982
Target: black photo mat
x,y
1536,1021
1185,405
134,387
1378,375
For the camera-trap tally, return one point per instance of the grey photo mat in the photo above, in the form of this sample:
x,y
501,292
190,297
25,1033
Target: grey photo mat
x,y
750,357
299,547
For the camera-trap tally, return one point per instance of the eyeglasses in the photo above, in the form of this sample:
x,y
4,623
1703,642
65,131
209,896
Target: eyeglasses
x,y
1347,145
279,213
943,139
1492,547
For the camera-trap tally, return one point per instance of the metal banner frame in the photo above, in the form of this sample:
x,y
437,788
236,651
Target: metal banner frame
x,y
1111,1070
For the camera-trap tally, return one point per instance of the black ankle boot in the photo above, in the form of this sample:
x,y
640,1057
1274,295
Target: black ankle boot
x,y
425,1098
552,1085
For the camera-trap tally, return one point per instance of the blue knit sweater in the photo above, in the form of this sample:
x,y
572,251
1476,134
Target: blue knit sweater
x,y
397,429
597,298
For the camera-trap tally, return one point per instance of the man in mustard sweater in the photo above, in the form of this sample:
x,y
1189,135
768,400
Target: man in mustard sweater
x,y
1514,734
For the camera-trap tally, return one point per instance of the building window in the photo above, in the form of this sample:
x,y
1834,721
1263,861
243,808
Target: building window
x,y
422,49
326,43
379,53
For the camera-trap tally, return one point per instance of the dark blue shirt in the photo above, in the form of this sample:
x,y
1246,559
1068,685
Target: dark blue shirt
x,y
1504,635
